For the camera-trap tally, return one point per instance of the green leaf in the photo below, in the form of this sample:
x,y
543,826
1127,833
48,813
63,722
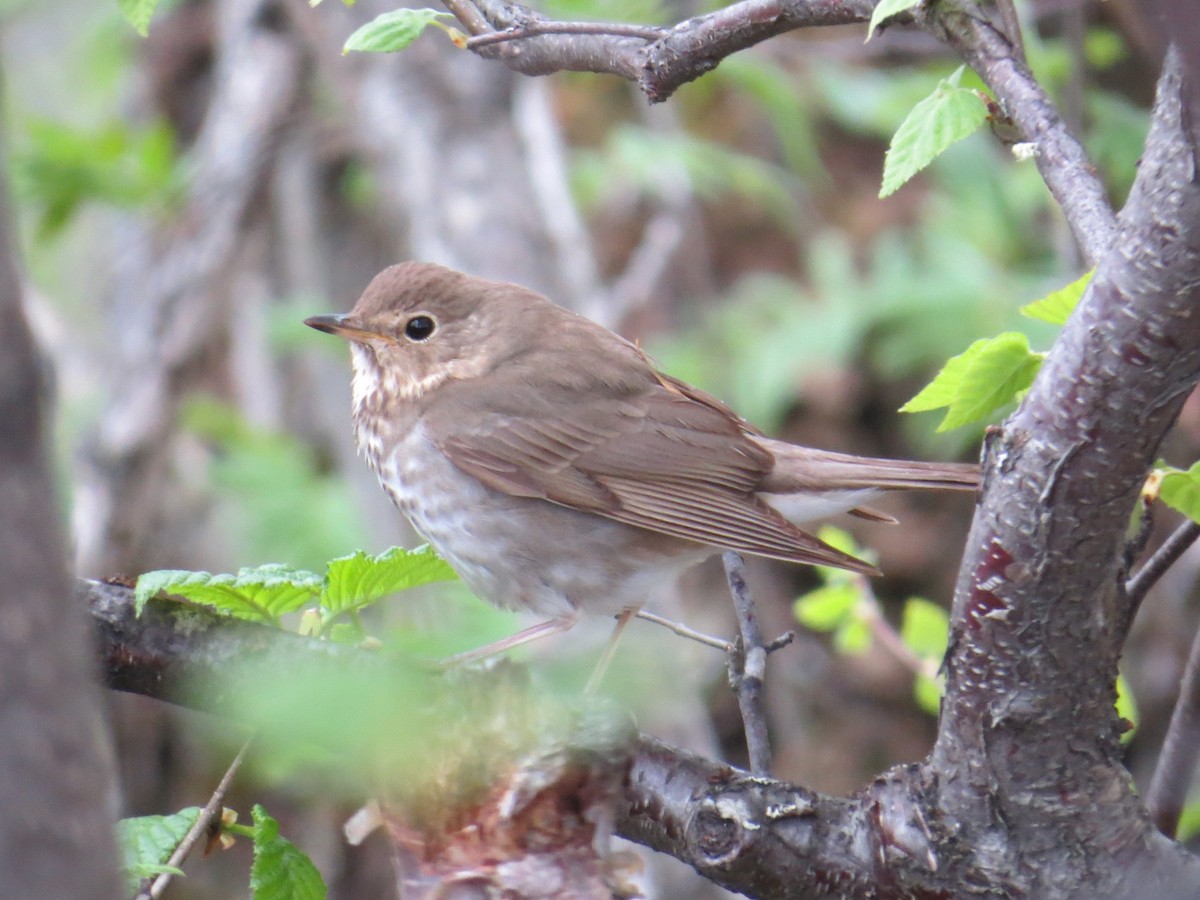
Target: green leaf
x,y
392,31
925,628
943,118
280,870
1057,306
885,9
1126,707
826,608
261,594
147,842
138,13
854,636
983,378
1189,823
359,579
1180,490
928,693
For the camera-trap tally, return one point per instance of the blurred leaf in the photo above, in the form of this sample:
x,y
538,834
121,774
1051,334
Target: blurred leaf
x,y
885,9
147,842
774,88
646,12
986,376
275,501
1057,306
260,594
1104,48
280,870
1126,707
138,13
928,693
1189,822
1115,138
1180,490
827,607
925,628
392,31
854,636
947,116
57,168
360,579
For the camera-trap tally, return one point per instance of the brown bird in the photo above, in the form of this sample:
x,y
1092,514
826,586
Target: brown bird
x,y
557,470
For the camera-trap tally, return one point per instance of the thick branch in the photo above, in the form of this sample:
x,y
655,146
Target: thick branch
x,y
1029,735
679,55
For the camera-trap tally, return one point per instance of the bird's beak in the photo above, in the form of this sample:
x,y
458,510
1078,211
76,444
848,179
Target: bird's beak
x,y
342,326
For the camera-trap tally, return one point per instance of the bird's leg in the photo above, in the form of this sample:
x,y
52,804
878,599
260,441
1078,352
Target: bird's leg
x,y
683,631
610,648
524,636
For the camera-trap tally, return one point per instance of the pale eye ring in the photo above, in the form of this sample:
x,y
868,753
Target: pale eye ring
x,y
420,327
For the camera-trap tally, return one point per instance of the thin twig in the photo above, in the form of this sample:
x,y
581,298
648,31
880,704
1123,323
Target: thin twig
x,y
1181,747
1164,557
210,814
887,636
748,667
683,631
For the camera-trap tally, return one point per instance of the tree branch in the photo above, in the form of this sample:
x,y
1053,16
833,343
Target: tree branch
x,y
1180,750
1038,623
659,60
748,666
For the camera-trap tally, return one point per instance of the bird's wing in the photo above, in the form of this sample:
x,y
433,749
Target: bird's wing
x,y
649,451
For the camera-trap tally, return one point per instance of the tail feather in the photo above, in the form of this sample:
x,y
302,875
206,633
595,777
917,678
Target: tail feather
x,y
803,469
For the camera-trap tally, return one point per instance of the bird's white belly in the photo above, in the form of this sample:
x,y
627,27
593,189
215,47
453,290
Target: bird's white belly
x,y
524,553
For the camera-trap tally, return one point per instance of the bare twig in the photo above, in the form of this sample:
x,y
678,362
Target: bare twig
x,y
748,667
683,631
1164,557
209,815
537,27
1180,749
1061,159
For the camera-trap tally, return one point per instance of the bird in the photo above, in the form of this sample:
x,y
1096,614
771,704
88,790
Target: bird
x,y
558,471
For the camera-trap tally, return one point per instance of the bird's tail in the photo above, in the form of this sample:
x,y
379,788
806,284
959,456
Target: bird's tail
x,y
803,469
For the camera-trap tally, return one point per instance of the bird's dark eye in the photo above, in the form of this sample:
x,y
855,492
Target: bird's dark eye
x,y
418,328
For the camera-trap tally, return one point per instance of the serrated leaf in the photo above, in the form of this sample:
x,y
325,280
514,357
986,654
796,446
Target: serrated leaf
x,y
1180,490
391,31
925,628
854,636
885,9
260,594
1126,707
1057,306
943,118
359,579
980,380
928,693
281,871
138,13
827,607
147,842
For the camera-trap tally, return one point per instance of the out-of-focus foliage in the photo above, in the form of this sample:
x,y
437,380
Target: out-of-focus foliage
x,y
58,167
274,500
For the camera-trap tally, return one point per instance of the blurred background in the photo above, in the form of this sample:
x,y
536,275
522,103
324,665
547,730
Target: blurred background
x,y
187,199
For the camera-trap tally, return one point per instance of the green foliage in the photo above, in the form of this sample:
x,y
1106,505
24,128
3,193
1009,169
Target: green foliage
x,y
1126,707
925,630
945,117
266,593
1057,306
1189,822
646,12
138,13
275,500
1180,490
988,375
57,168
394,30
280,870
147,842
638,157
774,89
886,9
